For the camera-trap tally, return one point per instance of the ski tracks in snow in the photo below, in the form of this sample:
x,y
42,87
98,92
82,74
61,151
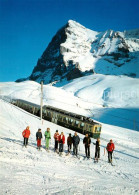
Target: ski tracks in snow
x,y
29,171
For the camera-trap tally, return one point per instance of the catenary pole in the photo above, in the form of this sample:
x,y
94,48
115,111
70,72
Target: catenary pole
x,y
41,100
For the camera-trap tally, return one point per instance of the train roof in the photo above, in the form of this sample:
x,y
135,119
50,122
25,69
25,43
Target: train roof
x,y
63,111
76,116
26,102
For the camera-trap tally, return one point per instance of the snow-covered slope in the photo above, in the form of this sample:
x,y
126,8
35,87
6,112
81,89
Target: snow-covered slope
x,y
76,51
28,171
109,99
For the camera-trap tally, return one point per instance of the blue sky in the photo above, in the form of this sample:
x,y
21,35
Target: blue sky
x,y
27,27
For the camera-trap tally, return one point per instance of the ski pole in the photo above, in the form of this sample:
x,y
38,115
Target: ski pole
x,y
114,157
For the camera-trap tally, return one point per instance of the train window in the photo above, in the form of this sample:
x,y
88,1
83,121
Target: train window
x,y
49,114
60,118
65,119
54,115
97,129
82,125
76,123
44,111
70,121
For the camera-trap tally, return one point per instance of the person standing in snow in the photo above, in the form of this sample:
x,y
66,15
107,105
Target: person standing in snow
x,y
69,143
76,141
61,140
47,138
97,149
56,136
110,148
38,138
26,134
87,142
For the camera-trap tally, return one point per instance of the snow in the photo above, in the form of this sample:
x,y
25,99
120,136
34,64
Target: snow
x,y
95,50
29,171
78,45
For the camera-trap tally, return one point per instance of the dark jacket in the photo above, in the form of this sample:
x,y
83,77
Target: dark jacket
x,y
97,144
39,135
69,140
87,140
76,140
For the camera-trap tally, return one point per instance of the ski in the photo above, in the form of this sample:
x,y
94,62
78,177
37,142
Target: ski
x,y
78,157
60,153
112,164
68,154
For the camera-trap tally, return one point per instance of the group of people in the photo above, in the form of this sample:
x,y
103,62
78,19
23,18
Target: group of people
x,y
60,140
26,134
75,140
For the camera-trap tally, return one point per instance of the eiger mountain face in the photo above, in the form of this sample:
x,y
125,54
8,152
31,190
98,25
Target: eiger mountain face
x,y
76,51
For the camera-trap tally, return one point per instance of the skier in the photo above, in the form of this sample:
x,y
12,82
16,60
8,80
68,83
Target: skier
x,y
69,143
38,138
110,148
47,138
56,135
61,140
87,142
97,149
76,141
26,134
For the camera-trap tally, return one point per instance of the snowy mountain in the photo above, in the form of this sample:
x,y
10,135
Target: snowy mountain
x,y
76,51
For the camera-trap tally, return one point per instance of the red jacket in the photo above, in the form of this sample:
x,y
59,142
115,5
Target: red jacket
x,y
110,147
26,133
56,136
61,140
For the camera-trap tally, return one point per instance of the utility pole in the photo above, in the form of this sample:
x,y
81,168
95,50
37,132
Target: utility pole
x,y
41,99
134,122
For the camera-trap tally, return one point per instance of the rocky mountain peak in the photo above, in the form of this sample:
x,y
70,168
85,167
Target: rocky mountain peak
x,y
76,51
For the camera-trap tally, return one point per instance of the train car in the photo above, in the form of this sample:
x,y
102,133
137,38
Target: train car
x,y
72,121
28,106
63,118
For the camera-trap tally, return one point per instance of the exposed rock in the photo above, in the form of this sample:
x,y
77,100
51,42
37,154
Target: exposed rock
x,y
76,51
